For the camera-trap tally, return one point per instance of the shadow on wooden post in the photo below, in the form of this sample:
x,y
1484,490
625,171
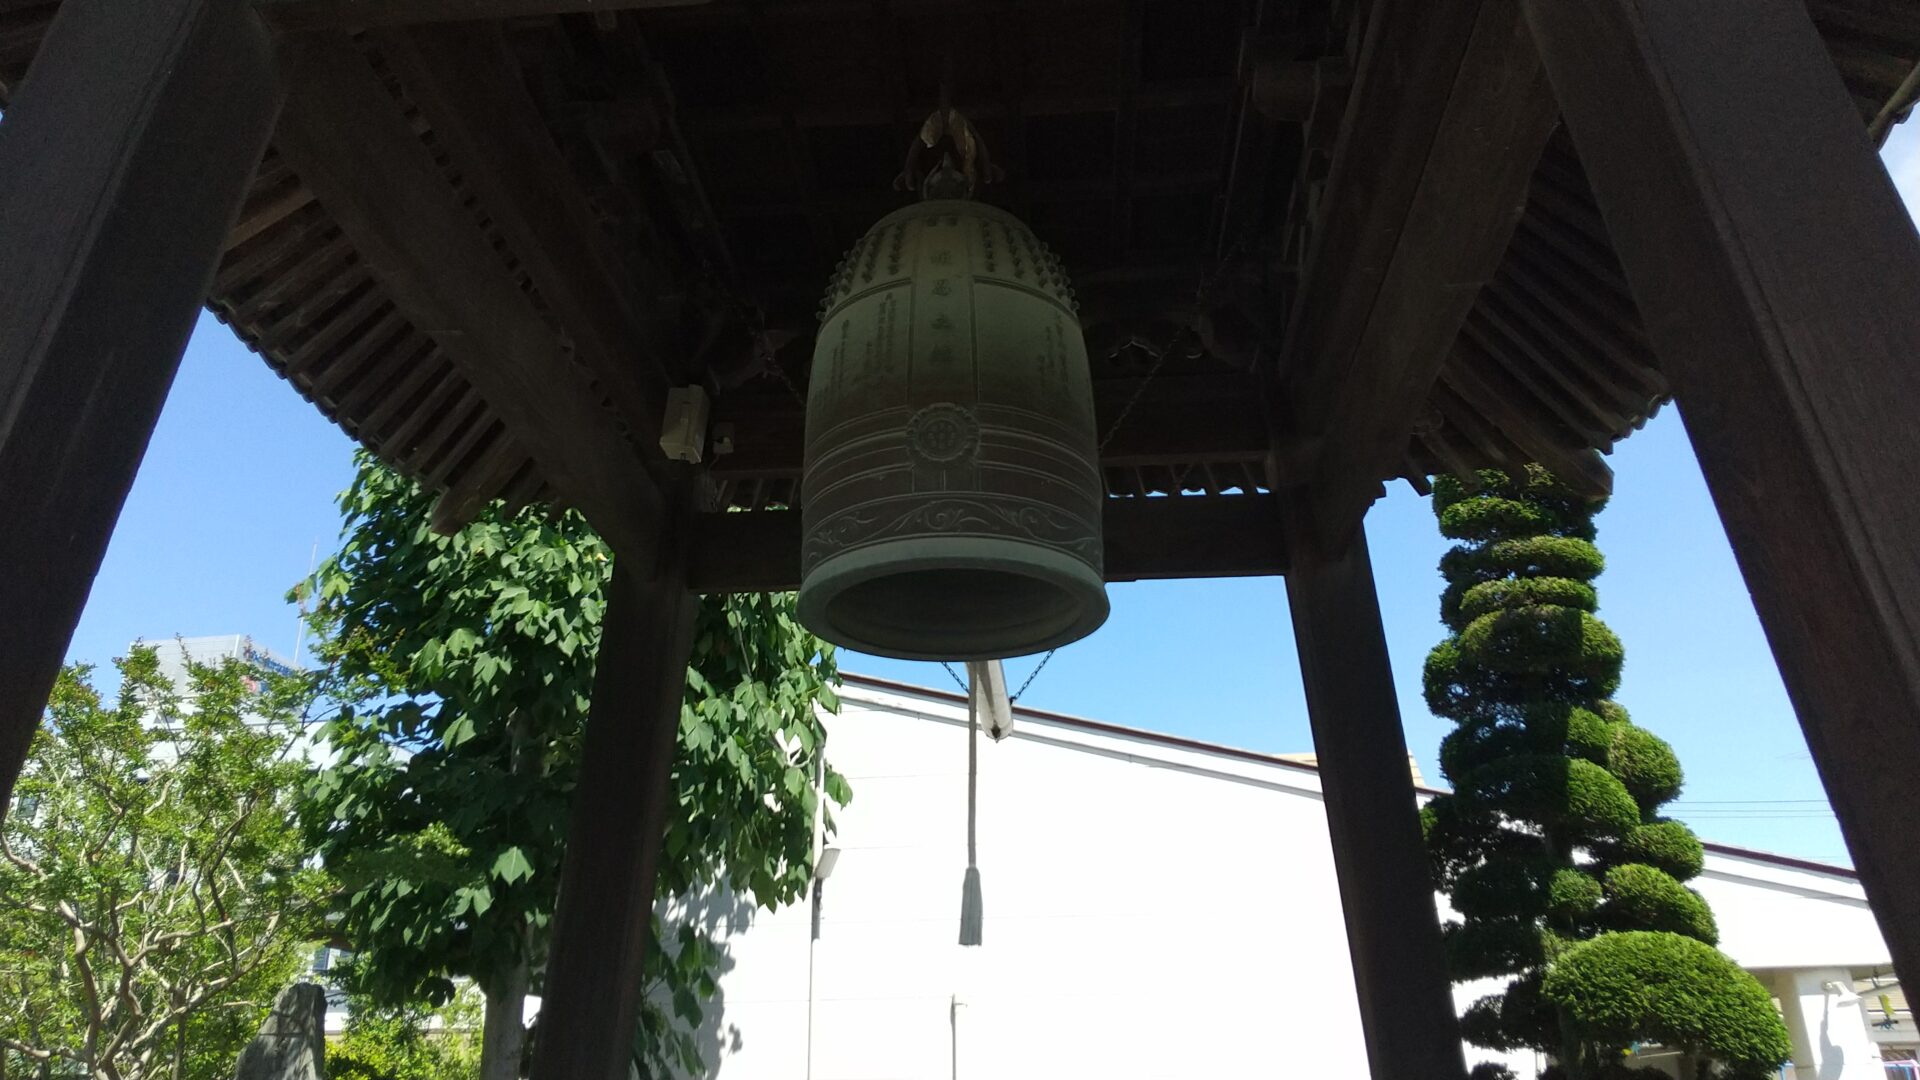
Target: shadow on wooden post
x,y
123,162
1777,272
602,922
1379,855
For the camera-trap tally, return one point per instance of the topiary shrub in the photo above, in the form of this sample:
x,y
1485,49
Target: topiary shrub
x,y
1646,985
1640,897
1480,948
1556,791
1645,764
1572,896
1504,888
1552,836
1668,845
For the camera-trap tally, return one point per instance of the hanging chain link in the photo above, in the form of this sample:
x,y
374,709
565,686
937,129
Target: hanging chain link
x,y
1017,694
780,372
757,330
1159,360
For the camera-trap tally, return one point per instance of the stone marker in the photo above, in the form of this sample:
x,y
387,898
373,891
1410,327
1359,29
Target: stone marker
x,y
292,1042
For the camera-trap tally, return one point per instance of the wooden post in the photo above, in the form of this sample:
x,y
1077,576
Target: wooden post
x,y
1379,856
123,162
1777,273
591,1002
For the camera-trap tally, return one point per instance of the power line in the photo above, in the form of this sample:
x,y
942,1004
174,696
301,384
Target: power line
x,y
1741,802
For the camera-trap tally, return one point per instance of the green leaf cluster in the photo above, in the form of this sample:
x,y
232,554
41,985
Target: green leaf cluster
x,y
408,1042
154,887
461,667
1551,846
1653,986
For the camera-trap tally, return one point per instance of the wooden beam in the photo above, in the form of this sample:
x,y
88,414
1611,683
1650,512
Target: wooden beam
x,y
303,15
1146,538
845,112
1777,269
123,163
603,920
469,88
1176,419
1379,855
1447,120
349,142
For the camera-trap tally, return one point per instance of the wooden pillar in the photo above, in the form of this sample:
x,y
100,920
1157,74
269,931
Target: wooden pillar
x,y
123,162
1379,855
1778,274
591,1001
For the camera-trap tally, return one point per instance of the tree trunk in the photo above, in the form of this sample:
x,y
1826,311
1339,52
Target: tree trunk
x,y
503,1035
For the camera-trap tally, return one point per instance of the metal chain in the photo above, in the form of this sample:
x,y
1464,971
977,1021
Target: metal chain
x,y
780,373
1159,359
757,328
1017,694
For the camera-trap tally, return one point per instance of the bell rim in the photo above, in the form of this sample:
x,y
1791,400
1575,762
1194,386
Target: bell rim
x,y
1071,575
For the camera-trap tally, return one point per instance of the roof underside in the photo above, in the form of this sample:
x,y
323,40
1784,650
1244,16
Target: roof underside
x,y
1176,153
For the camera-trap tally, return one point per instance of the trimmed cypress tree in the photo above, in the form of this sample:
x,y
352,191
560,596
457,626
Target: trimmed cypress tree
x,y
1569,882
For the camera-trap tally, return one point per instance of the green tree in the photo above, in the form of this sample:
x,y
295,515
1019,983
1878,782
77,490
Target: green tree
x,y
1570,883
154,895
409,1042
463,666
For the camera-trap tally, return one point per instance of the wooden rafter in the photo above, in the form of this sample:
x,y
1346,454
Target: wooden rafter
x,y
347,138
358,14
465,83
1447,120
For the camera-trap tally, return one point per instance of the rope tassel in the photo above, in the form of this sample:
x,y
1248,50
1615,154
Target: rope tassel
x,y
984,679
970,913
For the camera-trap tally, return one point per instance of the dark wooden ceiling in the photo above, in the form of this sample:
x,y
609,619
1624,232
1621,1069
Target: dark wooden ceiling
x,y
667,191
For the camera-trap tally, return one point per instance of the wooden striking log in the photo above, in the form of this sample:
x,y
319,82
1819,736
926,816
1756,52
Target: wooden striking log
x,y
349,142
1146,539
1777,269
123,163
1448,117
1379,855
617,824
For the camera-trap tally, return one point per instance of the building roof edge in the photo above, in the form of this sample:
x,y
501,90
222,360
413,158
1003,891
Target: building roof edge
x,y
1181,742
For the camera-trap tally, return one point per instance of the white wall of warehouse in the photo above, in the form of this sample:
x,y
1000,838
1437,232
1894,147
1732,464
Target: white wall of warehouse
x,y
1154,909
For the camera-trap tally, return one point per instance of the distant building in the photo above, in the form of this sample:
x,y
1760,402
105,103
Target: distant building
x,y
174,654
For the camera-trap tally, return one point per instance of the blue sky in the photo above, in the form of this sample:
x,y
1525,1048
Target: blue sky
x,y
238,484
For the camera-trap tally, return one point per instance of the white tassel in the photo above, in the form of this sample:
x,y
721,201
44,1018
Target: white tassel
x,y
970,905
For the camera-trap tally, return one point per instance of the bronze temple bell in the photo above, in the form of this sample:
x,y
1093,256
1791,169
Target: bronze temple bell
x,y
951,491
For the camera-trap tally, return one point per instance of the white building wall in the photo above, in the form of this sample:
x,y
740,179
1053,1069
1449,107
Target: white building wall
x,y
1773,915
1170,915
1153,910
